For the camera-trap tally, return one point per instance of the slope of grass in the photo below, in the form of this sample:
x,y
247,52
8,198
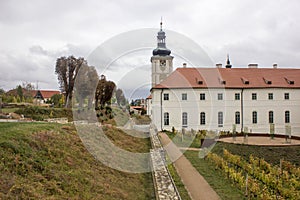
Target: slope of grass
x,y
49,161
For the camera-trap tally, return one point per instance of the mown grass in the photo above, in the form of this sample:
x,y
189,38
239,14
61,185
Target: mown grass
x,y
49,161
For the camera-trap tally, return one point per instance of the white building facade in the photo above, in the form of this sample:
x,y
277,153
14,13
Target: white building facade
x,y
217,98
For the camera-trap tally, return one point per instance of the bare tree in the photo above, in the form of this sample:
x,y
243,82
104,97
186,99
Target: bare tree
x,y
67,70
104,92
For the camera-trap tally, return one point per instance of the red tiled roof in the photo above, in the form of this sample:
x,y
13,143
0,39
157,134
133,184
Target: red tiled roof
x,y
149,97
47,94
232,78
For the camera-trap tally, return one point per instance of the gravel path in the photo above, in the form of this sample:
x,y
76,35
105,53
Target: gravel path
x,y
195,184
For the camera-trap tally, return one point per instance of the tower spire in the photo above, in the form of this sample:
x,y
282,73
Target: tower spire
x,y
161,49
161,23
228,65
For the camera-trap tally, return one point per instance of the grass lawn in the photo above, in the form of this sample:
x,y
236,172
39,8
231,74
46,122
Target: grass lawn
x,y
215,178
49,161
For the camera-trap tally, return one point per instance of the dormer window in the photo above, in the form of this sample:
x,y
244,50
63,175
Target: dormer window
x,y
223,82
269,82
245,81
289,81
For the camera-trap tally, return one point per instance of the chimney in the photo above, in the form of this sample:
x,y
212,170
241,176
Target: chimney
x,y
252,65
275,65
184,65
219,65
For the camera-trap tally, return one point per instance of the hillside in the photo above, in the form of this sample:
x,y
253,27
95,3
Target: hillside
x,y
48,161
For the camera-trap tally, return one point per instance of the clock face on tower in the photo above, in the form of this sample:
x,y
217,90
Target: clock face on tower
x,y
162,64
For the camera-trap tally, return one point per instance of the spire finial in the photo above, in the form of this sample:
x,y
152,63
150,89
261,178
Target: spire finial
x,y
161,23
228,65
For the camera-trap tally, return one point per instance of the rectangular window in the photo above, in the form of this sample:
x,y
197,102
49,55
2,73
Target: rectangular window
x,y
254,96
184,96
237,96
184,119
254,117
237,117
202,96
166,118
270,96
286,96
287,116
202,118
166,97
271,117
220,96
220,119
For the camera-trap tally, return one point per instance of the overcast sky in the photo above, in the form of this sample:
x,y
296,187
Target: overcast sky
x,y
34,33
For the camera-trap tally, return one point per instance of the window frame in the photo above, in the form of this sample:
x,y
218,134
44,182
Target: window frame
x,y
237,117
202,118
166,119
287,117
202,96
220,96
237,96
184,119
286,96
166,97
220,119
254,96
271,117
254,117
184,96
270,96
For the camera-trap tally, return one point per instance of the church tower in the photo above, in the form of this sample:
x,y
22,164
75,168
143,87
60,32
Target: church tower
x,y
162,62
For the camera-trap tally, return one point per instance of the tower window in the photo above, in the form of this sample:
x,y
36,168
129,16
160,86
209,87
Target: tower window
x,y
220,96
287,116
286,96
220,119
237,117
254,96
237,96
202,96
184,119
184,96
254,117
271,117
270,96
202,118
166,96
166,119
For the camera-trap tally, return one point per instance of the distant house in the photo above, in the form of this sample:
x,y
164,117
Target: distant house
x,y
42,96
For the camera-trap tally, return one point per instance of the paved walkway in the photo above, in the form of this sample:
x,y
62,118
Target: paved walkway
x,y
195,184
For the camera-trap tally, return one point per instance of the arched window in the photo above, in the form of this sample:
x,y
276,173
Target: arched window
x,y
254,117
220,119
237,117
184,119
271,117
166,119
287,116
202,118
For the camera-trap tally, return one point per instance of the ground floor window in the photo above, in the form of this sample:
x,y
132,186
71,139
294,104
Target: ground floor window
x,y
271,117
237,117
287,117
166,119
254,117
184,119
220,119
202,118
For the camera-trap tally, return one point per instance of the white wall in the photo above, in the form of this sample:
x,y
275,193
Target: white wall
x,y
211,106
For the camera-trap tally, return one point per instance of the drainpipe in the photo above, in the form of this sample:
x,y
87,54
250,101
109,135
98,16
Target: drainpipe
x,y
242,110
161,111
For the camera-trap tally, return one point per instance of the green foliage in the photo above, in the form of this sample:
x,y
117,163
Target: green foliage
x,y
41,113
